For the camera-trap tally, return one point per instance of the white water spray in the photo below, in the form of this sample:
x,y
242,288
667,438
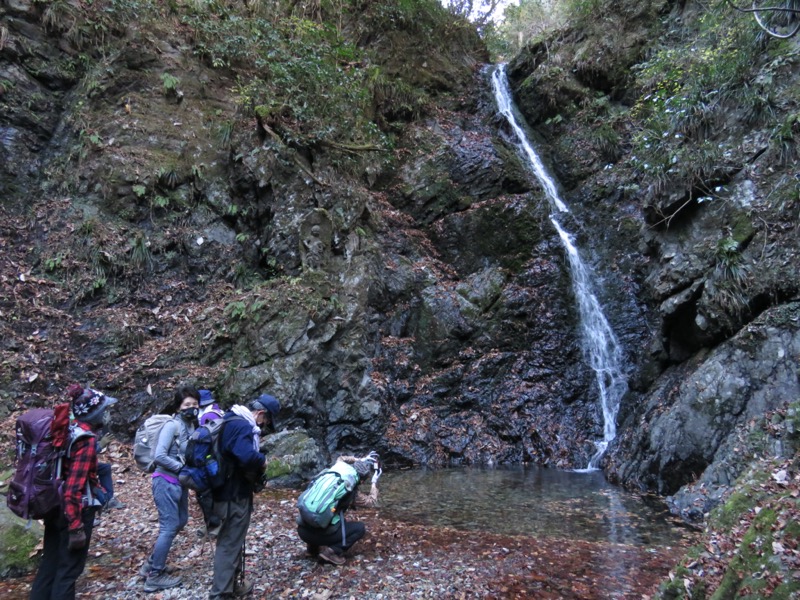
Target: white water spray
x,y
600,345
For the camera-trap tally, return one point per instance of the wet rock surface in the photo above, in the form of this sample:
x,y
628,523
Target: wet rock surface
x,y
694,418
692,279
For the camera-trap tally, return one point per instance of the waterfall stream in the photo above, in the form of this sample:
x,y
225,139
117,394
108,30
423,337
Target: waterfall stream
x,y
600,345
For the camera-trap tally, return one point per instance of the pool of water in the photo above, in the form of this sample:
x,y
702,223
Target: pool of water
x,y
528,501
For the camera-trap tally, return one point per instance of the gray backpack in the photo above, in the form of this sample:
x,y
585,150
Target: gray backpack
x,y
144,445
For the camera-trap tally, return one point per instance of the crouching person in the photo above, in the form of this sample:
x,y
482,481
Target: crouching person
x,y
233,502
321,523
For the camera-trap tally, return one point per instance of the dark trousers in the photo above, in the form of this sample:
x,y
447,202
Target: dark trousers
x,y
332,536
60,567
106,480
235,516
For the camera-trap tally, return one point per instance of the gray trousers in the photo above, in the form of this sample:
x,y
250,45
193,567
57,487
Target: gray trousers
x,y
235,517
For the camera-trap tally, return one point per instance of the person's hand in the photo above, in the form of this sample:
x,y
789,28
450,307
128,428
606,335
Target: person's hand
x,y
104,441
77,539
376,475
372,456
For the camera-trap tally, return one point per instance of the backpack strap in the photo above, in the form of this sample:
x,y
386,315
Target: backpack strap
x,y
320,474
76,433
178,424
227,418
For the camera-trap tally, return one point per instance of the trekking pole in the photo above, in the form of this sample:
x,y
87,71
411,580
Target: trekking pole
x,y
241,566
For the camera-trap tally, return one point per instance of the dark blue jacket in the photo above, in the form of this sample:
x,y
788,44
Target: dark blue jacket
x,y
239,453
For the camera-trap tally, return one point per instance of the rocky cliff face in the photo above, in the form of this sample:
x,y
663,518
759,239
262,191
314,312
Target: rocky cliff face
x,y
394,282
688,198
268,202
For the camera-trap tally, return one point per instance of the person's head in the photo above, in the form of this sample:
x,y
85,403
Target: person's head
x,y
206,398
265,409
186,402
89,406
363,468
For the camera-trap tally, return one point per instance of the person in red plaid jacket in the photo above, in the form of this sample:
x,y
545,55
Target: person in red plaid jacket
x,y
67,532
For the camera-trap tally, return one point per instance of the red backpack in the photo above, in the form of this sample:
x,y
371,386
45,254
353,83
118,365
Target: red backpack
x,y
44,439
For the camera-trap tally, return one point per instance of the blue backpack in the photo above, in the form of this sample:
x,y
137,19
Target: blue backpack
x,y
205,468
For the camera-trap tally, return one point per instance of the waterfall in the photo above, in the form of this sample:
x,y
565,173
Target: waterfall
x,y
600,345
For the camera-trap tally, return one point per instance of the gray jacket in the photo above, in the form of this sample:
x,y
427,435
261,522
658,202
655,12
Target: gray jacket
x,y
171,446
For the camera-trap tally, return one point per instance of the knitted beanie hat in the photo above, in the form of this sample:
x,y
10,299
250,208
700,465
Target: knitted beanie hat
x,y
362,467
88,405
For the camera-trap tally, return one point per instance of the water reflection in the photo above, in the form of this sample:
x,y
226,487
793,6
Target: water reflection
x,y
527,501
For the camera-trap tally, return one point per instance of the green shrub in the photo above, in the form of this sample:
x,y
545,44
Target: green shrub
x,y
785,138
607,141
686,91
140,256
170,85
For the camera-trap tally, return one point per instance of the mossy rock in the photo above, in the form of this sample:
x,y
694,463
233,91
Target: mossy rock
x,y
792,424
729,513
292,457
278,467
17,543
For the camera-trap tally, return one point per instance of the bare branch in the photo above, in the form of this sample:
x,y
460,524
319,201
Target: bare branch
x,y
760,12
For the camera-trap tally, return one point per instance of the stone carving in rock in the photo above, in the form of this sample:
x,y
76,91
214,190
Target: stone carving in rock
x,y
315,240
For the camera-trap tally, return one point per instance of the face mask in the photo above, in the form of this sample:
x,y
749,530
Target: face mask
x,y
266,427
190,414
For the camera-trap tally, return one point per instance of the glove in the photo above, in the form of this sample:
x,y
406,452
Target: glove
x,y
376,475
105,440
77,539
373,456
261,482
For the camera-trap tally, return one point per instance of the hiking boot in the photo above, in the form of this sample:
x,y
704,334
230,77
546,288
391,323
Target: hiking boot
x,y
114,503
162,581
243,589
329,555
312,550
144,570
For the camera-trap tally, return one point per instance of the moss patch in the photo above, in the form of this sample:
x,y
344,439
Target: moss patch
x,y
750,541
278,467
17,544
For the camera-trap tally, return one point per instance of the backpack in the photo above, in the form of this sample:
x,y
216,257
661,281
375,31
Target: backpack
x,y
144,445
205,468
318,504
211,415
44,438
